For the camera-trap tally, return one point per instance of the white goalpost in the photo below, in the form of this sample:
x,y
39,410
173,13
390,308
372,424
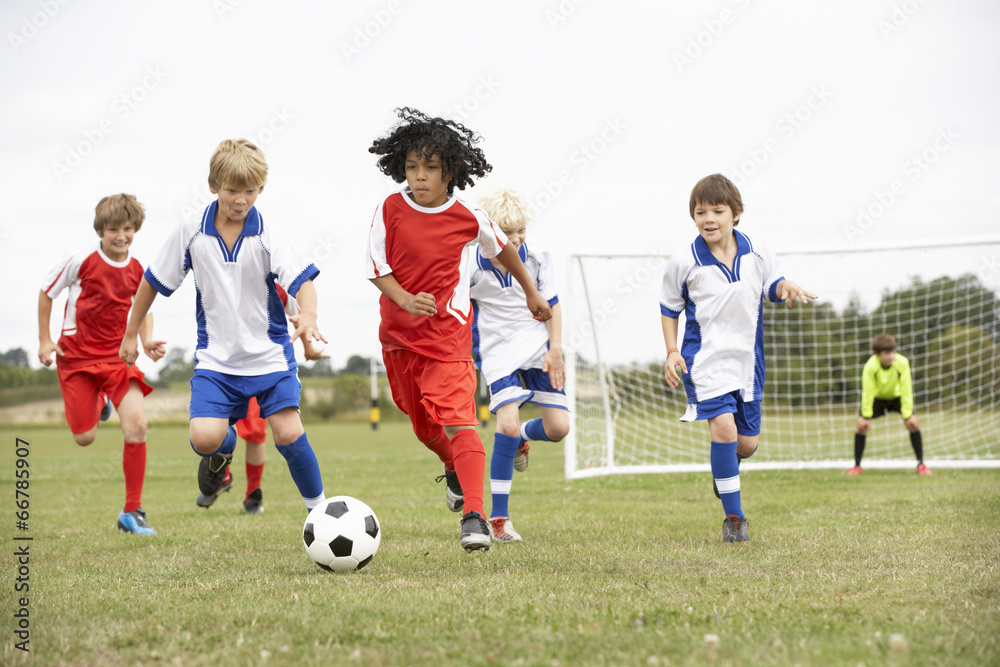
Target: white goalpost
x,y
940,301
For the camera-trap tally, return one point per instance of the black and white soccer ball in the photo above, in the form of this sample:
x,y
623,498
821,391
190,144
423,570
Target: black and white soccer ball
x,y
341,534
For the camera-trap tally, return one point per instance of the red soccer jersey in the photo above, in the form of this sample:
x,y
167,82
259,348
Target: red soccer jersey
x,y
100,297
423,249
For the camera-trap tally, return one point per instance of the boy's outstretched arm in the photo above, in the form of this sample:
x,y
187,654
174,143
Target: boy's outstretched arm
x,y
552,362
537,304
674,357
154,349
789,291
305,321
144,296
421,303
46,346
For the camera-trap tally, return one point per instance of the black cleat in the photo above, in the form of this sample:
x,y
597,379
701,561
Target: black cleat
x,y
254,504
453,495
475,532
736,529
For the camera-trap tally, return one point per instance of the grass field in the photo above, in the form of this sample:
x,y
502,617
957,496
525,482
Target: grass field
x,y
884,569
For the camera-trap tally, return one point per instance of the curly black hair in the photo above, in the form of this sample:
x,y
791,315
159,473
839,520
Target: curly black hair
x,y
452,141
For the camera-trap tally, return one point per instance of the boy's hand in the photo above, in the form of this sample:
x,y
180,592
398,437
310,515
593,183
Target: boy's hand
x,y
674,359
791,291
129,351
552,363
305,326
421,304
539,307
45,351
155,350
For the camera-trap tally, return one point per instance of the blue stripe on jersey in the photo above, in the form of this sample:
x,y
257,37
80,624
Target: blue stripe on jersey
x,y
475,335
199,316
758,355
772,291
277,324
692,343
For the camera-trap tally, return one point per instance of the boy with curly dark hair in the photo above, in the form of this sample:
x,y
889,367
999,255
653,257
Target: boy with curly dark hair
x,y
415,249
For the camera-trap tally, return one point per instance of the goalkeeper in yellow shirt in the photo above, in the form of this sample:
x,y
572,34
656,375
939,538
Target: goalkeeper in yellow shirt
x,y
886,386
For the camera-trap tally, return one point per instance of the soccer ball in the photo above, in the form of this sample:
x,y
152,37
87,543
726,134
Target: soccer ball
x,y
341,534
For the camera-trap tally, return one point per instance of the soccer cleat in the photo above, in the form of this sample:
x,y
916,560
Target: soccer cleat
x,y
856,470
106,410
254,504
736,529
521,457
502,530
453,495
923,470
134,522
475,532
206,499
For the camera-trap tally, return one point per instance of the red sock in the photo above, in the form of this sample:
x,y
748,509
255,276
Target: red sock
x,y
134,465
442,447
254,473
470,464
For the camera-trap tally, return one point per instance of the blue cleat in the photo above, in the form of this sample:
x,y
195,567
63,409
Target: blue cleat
x,y
106,410
134,522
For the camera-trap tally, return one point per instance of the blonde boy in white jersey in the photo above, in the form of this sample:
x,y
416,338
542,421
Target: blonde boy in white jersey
x,y
511,350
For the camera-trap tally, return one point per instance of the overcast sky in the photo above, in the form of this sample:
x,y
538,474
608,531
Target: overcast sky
x,y
604,114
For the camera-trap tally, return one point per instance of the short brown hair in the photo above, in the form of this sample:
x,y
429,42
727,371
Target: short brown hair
x,y
237,163
883,342
118,209
717,189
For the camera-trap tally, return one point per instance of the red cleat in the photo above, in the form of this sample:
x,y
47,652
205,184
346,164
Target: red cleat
x,y
856,470
923,470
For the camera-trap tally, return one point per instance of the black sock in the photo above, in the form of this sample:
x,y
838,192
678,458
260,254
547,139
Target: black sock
x,y
859,448
918,445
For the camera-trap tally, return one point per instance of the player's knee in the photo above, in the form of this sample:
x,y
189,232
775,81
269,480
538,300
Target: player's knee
x,y
134,429
557,431
510,429
86,438
863,428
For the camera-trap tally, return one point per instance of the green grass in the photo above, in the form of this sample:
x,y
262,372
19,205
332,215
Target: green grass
x,y
885,569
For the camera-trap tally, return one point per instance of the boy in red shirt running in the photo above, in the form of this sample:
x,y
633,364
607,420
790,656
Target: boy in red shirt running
x,y
102,281
415,250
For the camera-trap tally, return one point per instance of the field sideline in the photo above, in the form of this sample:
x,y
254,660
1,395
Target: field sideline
x,y
887,568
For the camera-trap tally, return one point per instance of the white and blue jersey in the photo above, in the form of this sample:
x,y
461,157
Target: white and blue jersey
x,y
242,329
506,339
723,344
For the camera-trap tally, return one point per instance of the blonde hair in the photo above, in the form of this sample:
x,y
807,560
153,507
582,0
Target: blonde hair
x,y
118,209
506,208
237,163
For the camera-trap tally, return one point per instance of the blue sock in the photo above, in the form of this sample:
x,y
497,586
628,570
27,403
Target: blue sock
x,y
228,445
502,471
533,430
304,470
726,472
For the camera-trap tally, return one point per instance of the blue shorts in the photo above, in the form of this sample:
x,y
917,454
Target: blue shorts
x,y
747,415
215,394
537,389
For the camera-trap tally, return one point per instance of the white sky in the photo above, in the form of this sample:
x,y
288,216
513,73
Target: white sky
x,y
604,114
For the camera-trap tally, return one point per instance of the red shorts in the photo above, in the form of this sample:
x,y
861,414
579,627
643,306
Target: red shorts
x,y
253,427
81,385
433,393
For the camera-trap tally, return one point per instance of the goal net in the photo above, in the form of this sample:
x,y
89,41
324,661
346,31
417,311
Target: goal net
x,y
941,302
